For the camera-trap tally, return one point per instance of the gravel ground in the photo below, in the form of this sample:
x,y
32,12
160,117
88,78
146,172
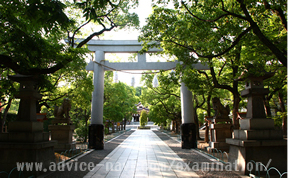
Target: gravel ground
x,y
193,158
95,157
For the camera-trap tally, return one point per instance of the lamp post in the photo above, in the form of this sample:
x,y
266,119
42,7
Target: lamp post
x,y
155,82
133,81
115,77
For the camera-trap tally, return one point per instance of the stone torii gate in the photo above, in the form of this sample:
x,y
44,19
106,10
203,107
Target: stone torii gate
x,y
100,47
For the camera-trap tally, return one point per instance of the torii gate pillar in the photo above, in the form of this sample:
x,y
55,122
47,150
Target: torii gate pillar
x,y
188,127
96,127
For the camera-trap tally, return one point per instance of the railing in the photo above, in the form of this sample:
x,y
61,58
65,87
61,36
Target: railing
x,y
12,171
258,170
217,154
68,155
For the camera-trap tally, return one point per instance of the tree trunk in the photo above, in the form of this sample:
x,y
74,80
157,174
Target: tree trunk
x,y
236,101
206,138
86,125
6,112
113,127
209,105
125,120
1,123
178,125
173,126
197,124
38,107
283,109
267,107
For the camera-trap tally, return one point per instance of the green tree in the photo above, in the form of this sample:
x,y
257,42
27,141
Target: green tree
x,y
143,118
209,29
32,40
227,35
164,101
32,31
119,100
138,91
81,89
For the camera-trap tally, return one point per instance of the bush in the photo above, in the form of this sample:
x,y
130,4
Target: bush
x,y
278,119
143,118
81,132
143,127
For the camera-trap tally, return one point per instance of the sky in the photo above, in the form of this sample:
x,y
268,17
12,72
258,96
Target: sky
x,y
144,10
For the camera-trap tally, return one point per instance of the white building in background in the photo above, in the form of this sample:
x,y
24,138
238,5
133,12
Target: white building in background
x,y
140,108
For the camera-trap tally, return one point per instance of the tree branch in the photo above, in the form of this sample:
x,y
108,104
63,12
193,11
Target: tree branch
x,y
73,36
197,103
7,62
82,43
206,75
165,93
256,30
217,18
216,83
237,40
279,12
165,107
114,7
220,71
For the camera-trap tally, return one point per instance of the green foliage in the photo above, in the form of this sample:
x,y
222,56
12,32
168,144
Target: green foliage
x,y
119,100
278,119
32,42
138,91
164,101
143,118
210,29
229,36
81,132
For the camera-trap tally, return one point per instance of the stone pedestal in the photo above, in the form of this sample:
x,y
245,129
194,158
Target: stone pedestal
x,y
62,134
257,140
25,140
219,133
259,146
96,136
188,136
28,147
220,129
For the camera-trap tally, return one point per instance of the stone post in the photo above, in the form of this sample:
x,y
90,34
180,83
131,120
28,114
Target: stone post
x,y
96,128
188,127
257,139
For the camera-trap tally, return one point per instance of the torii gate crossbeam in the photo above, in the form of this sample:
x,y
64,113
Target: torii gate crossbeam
x,y
100,47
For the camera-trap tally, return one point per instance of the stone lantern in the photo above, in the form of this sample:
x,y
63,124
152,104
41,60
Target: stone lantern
x,y
25,140
255,92
257,139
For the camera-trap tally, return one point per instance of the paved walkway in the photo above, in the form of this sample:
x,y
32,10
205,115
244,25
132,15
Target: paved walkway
x,y
142,154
